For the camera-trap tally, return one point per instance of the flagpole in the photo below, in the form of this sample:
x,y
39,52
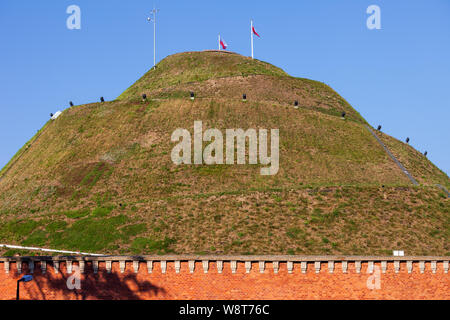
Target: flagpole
x,y
219,42
251,34
154,37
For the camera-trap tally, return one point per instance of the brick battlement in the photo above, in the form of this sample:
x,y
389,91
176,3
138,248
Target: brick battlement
x,y
264,261
228,277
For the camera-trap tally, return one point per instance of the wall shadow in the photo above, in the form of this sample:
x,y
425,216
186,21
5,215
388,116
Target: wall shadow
x,y
101,285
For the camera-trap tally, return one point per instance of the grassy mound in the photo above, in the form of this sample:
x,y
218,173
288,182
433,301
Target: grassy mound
x,y
100,178
189,67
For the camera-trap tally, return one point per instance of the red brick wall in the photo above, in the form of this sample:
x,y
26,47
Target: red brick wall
x,y
254,285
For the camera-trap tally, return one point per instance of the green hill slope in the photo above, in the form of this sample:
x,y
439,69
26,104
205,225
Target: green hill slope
x,y
100,178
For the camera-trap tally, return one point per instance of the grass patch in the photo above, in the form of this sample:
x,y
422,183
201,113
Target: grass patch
x,y
149,245
89,234
102,211
77,213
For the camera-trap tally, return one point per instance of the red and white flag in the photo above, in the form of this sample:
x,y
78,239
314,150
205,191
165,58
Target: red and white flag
x,y
223,44
254,31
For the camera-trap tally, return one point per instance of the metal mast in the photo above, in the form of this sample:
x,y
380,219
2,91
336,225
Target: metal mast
x,y
152,18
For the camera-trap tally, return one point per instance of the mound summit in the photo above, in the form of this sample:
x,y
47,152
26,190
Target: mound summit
x,y
100,178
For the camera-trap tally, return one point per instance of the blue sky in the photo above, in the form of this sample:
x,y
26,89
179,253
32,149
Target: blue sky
x,y
398,76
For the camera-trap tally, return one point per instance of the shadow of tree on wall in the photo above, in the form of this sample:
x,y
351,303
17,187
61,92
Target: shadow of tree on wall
x,y
101,285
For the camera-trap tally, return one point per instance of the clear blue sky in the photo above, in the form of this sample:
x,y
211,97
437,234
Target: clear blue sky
x,y
398,76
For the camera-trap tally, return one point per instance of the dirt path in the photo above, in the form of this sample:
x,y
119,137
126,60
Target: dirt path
x,y
393,157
